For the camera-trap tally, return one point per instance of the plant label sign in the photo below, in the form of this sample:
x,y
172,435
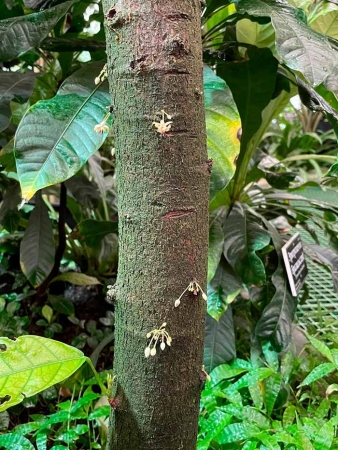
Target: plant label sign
x,y
295,263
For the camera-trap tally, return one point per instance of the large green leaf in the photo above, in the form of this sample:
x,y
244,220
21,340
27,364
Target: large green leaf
x,y
56,137
300,47
243,239
13,85
20,34
216,241
31,364
37,249
254,33
275,323
223,125
222,290
252,83
326,21
219,340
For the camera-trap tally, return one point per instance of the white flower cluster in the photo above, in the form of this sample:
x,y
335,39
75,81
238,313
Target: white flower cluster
x,y
103,75
193,287
155,336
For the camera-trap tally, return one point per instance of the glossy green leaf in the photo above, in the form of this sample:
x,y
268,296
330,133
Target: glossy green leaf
x,y
216,423
219,341
300,47
324,437
272,389
318,372
321,347
37,249
216,241
31,364
79,279
237,432
289,415
47,313
93,231
13,85
244,238
56,137
252,83
14,441
223,124
20,34
222,290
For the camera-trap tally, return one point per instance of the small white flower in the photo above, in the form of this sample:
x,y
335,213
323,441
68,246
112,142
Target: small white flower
x,y
204,295
149,335
101,128
147,352
177,303
97,80
162,346
153,351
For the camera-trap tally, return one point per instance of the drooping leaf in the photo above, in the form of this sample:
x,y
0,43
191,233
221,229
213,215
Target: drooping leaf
x,y
93,231
244,238
300,47
219,341
225,372
20,34
56,137
222,290
37,248
39,364
79,279
252,83
216,241
13,85
9,214
275,323
223,125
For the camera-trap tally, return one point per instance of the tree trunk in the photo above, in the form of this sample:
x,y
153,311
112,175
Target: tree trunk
x,y
155,63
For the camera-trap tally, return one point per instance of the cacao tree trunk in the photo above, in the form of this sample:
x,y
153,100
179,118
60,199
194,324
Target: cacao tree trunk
x,y
155,63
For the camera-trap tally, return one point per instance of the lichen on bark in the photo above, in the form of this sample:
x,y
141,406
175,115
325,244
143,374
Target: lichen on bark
x,y
155,63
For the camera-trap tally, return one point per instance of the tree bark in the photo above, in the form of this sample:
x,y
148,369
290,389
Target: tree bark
x,y
155,63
